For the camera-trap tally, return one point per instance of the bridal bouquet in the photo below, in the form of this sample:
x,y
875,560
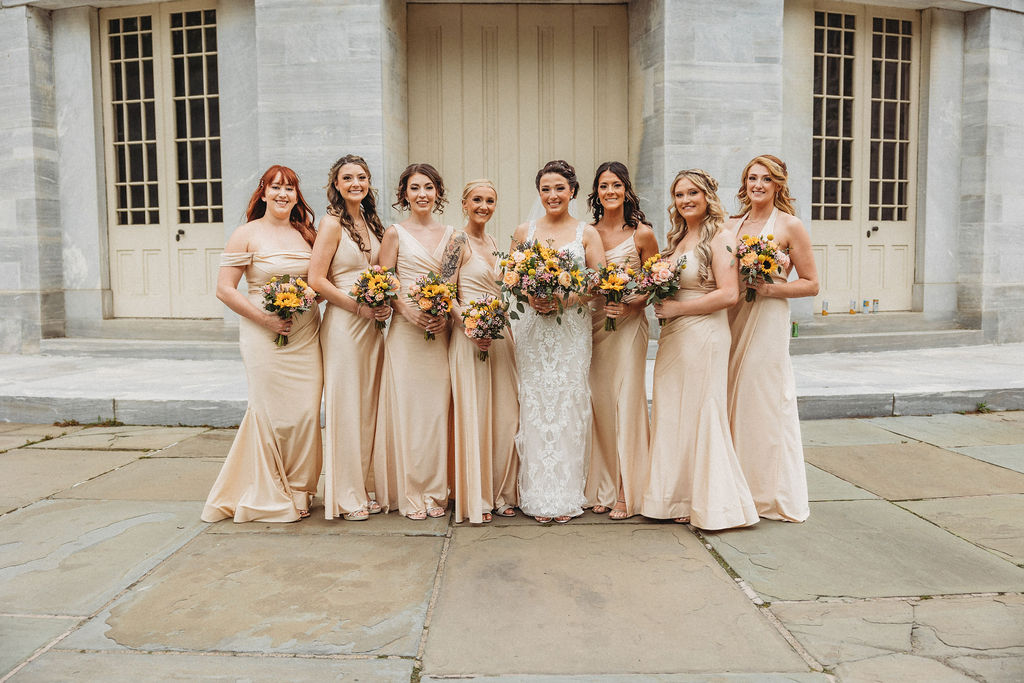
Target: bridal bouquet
x,y
659,279
375,287
759,257
485,319
532,269
613,282
433,296
287,295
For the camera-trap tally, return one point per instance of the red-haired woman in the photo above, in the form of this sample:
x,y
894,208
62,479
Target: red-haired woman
x,y
272,469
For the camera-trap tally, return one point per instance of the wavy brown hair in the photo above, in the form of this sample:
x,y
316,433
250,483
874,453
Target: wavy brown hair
x,y
367,207
402,202
634,216
709,225
301,217
779,175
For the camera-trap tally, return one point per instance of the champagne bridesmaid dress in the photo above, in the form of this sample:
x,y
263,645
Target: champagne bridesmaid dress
x,y
486,408
693,468
353,352
273,467
621,430
410,450
762,405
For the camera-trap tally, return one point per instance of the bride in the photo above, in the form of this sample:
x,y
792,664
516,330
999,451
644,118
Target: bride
x,y
554,360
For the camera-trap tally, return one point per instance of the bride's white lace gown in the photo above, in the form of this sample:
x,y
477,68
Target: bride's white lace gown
x,y
554,397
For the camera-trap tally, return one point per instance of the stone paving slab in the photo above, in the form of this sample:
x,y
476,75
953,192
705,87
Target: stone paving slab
x,y
22,636
267,593
214,443
391,524
29,474
9,442
992,522
70,557
954,430
912,639
132,668
845,433
38,430
594,599
52,407
1010,457
761,677
824,486
123,438
153,479
914,470
861,548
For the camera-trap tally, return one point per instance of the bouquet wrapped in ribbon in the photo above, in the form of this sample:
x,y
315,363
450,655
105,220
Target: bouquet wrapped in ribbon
x,y
433,296
532,269
286,295
485,319
613,282
759,258
375,287
659,279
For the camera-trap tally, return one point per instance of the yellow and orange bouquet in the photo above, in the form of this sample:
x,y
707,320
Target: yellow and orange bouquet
x,y
759,257
433,296
613,282
659,279
532,269
375,287
287,295
485,319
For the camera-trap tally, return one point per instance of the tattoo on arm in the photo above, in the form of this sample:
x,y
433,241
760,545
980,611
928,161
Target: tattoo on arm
x,y
452,255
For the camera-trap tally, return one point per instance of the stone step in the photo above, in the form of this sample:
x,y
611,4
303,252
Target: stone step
x,y
168,349
883,341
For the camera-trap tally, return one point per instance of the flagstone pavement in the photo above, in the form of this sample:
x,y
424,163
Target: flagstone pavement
x,y
910,568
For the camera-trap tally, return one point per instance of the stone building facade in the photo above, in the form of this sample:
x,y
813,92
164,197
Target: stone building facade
x,y
134,133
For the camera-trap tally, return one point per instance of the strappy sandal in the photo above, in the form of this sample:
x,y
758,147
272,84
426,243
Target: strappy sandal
x,y
360,515
564,519
486,517
417,516
600,509
617,512
303,514
435,512
374,508
507,511
542,520
681,520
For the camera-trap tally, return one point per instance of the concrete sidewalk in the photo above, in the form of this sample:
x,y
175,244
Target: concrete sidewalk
x,y
146,391
911,568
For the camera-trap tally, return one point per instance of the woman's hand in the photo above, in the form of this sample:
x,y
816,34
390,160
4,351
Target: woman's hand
x,y
482,344
276,324
615,309
542,305
425,321
665,310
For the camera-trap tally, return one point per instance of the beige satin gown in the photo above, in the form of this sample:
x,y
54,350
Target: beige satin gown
x,y
621,430
410,450
762,404
353,352
273,467
486,407
693,468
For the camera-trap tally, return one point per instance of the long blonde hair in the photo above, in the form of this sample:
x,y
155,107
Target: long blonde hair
x,y
779,175
709,225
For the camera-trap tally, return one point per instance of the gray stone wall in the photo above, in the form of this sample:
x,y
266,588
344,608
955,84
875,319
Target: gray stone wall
x,y
647,109
29,209
990,250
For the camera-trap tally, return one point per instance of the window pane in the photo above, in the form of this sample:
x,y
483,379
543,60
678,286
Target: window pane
x,y
198,154
133,111
195,76
197,118
131,77
201,216
211,75
135,164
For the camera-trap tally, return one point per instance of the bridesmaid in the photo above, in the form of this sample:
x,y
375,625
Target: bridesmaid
x,y
762,392
694,474
484,393
618,461
410,450
347,243
273,467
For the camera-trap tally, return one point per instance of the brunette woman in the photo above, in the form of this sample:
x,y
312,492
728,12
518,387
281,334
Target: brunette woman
x,y
694,475
273,467
411,444
762,392
486,405
347,243
618,456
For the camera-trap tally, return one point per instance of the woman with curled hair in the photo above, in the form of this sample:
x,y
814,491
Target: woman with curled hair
x,y
484,397
621,431
695,476
762,391
410,448
272,469
347,243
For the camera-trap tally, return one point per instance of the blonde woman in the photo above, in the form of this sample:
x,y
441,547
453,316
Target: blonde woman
x,y
485,400
762,392
694,474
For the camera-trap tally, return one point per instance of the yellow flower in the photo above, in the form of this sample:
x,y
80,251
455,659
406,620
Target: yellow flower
x,y
424,304
287,300
748,259
531,271
300,283
770,237
749,240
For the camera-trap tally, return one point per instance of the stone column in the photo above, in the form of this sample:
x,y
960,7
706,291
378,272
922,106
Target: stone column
x,y
942,74
30,239
989,247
